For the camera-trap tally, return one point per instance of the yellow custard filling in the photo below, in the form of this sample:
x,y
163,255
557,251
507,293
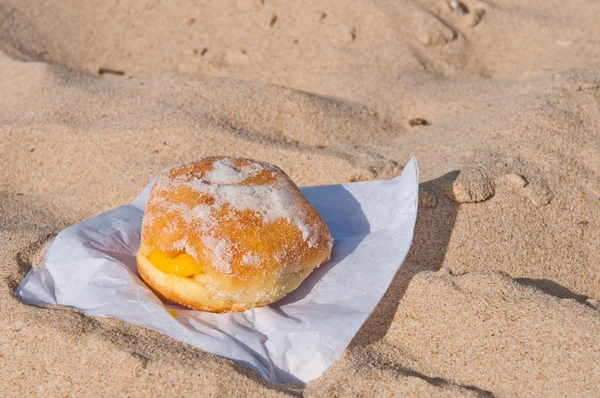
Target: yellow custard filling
x,y
180,264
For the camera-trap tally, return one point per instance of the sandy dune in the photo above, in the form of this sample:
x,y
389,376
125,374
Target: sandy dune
x,y
500,293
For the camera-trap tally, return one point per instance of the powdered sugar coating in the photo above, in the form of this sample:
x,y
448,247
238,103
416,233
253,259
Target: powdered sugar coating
x,y
270,201
220,252
225,173
252,259
225,189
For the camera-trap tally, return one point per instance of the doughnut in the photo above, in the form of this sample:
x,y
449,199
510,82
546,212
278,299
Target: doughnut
x,y
224,234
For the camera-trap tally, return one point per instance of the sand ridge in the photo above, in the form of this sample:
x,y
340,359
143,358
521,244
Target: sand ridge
x,y
500,293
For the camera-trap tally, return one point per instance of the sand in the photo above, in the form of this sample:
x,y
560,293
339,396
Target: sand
x,y
500,293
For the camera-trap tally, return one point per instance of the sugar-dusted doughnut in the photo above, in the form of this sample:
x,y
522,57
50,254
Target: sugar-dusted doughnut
x,y
228,234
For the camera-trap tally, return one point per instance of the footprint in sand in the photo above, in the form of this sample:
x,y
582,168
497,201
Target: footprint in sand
x,y
480,181
472,184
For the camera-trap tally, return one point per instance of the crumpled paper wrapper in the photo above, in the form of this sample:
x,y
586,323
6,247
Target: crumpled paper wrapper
x,y
91,266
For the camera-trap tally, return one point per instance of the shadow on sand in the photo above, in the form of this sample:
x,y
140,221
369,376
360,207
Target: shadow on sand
x,y
432,235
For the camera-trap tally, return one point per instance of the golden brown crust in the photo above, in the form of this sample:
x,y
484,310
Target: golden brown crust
x,y
244,222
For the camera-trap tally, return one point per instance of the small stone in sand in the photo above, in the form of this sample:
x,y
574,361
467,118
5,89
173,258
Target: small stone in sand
x,y
418,122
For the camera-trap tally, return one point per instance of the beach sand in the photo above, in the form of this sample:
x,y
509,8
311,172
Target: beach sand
x,y
498,100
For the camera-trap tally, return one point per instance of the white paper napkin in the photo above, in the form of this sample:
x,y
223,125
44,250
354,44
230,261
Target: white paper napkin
x,y
91,266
